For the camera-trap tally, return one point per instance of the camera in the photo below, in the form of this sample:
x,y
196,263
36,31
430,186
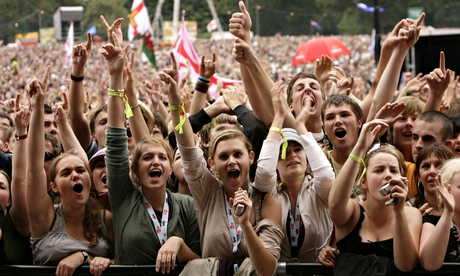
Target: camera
x,y
385,190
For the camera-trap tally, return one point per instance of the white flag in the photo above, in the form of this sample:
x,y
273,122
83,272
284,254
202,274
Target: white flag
x,y
68,47
139,21
212,25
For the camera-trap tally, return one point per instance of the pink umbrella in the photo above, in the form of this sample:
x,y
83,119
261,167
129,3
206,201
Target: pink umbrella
x,y
314,49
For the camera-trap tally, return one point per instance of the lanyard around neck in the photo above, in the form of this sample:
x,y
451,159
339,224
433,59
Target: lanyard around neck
x,y
160,229
294,223
235,234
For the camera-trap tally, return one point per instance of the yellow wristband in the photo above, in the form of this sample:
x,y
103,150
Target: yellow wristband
x,y
121,94
182,118
285,142
360,161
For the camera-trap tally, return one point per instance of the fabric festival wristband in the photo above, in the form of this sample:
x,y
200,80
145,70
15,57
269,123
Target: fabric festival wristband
x,y
285,142
182,118
121,94
360,161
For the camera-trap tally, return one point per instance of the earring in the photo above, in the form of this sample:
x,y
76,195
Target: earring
x,y
420,188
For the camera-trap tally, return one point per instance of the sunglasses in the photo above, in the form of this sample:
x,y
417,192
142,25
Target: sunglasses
x,y
49,156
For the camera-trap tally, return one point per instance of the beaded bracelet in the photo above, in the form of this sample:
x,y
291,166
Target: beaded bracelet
x,y
182,118
121,94
285,142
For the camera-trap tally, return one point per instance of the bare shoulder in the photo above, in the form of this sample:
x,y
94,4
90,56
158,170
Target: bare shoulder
x,y
412,214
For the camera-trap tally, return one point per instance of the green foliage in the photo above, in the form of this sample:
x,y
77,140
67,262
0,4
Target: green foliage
x,y
275,16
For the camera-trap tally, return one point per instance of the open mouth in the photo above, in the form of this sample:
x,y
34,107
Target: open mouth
x,y
407,134
340,133
233,174
78,188
104,180
155,173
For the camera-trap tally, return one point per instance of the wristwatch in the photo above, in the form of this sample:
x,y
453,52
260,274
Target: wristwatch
x,y
85,257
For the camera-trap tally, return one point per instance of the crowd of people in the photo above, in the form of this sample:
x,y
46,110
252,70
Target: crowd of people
x,y
115,162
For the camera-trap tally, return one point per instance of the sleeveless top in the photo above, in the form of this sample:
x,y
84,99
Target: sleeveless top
x,y
364,258
55,245
453,247
16,247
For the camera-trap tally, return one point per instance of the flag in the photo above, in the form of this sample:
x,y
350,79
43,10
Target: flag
x,y
366,8
212,25
69,47
92,30
315,25
139,25
186,56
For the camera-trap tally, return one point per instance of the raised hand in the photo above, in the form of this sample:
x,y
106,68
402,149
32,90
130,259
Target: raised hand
x,y
439,78
369,131
208,67
113,30
391,112
81,52
170,77
322,66
115,56
21,116
234,96
61,110
278,99
240,23
414,85
242,52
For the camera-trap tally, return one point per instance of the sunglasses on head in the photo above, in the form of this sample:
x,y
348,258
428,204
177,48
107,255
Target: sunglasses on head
x,y
49,156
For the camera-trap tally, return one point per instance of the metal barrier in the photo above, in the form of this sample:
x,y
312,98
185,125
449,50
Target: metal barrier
x,y
303,269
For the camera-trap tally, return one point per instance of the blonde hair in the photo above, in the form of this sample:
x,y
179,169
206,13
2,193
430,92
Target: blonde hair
x,y
449,170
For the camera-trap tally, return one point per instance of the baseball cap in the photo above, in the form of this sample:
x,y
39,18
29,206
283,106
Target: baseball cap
x,y
100,154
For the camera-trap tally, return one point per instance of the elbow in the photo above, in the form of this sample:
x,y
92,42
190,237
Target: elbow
x,y
407,265
430,265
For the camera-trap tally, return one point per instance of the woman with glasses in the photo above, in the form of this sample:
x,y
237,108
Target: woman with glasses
x,y
77,224
380,234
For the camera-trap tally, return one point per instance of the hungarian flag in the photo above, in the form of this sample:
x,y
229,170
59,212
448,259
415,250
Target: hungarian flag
x,y
139,25
186,56
69,47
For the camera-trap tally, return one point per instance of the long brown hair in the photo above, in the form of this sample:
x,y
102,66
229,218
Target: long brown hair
x,y
93,226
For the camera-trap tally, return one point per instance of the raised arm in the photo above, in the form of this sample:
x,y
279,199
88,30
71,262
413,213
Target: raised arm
x,y
207,70
137,123
182,127
77,118
18,210
265,180
405,35
68,137
39,204
343,210
435,238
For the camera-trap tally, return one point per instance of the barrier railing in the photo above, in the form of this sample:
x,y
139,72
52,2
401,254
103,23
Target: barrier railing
x,y
304,269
